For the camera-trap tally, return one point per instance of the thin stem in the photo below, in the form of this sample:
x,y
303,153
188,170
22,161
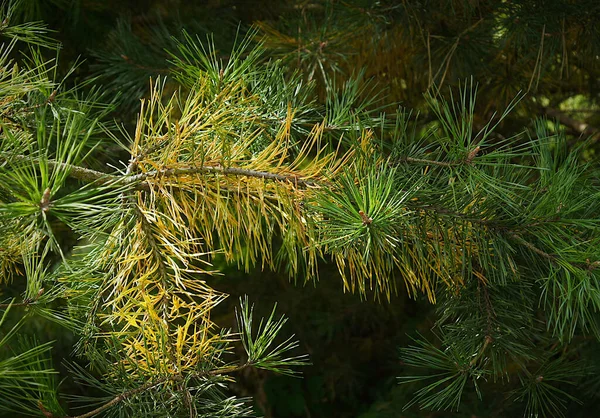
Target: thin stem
x,y
431,162
123,396
172,172
26,301
579,127
6,305
131,393
489,313
92,176
442,211
486,343
532,247
79,173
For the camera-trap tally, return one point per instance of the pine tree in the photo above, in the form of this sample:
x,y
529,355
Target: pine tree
x,y
274,156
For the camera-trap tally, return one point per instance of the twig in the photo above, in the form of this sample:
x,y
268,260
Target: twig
x,y
143,388
172,172
467,161
489,313
79,173
366,220
486,342
26,301
49,100
439,210
187,400
573,124
92,176
121,397
532,247
430,162
472,155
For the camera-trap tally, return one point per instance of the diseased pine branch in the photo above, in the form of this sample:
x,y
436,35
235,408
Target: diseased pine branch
x,y
98,177
162,271
173,172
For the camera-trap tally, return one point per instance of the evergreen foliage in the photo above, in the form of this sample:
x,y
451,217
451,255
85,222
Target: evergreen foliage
x,y
279,153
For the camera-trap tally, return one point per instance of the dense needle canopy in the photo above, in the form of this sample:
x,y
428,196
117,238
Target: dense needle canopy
x,y
412,176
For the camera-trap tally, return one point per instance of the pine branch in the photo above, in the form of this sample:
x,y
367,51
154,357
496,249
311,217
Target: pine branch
x,y
490,223
162,271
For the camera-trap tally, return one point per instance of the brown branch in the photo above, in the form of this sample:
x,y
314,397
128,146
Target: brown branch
x,y
429,162
126,395
26,301
171,172
114,401
494,225
472,155
187,400
588,265
467,161
49,100
45,201
92,176
366,220
486,343
532,247
575,125
79,173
